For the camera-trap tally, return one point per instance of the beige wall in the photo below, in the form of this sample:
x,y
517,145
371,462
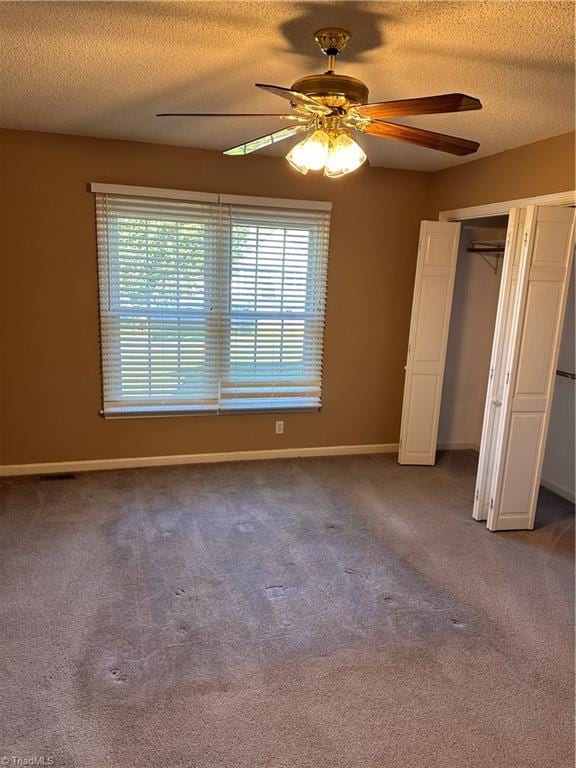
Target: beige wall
x,y
535,169
50,393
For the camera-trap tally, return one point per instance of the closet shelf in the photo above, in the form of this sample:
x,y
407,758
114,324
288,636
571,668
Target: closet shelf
x,y
487,247
485,250
492,248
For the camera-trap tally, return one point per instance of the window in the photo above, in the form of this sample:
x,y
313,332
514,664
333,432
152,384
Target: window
x,y
210,303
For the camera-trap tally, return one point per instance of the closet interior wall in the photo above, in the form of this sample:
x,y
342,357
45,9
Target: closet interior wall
x,y
474,306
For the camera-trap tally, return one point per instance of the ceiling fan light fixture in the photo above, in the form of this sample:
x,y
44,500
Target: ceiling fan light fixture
x,y
344,156
310,154
334,105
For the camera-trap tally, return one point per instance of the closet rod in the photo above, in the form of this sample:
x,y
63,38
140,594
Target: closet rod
x,y
566,374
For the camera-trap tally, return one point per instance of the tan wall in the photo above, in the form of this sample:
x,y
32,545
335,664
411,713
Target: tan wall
x,y
51,392
535,169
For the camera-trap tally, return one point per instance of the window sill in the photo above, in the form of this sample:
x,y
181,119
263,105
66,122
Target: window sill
x,y
172,413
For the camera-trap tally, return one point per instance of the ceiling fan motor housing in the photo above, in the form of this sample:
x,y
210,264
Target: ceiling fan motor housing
x,y
333,90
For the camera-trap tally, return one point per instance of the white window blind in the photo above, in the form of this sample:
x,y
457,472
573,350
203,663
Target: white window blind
x,y
210,303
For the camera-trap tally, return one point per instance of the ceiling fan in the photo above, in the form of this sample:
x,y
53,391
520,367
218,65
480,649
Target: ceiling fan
x,y
330,107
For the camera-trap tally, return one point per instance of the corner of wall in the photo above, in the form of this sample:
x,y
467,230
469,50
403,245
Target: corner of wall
x,y
541,168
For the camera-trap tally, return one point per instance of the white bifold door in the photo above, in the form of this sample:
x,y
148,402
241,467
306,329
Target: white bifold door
x,y
431,308
530,357
536,269
507,305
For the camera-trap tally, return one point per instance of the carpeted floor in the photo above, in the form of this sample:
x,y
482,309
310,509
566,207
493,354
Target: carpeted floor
x,y
315,613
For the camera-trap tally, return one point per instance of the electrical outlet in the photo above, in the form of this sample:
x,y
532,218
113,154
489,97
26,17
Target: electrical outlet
x,y
279,428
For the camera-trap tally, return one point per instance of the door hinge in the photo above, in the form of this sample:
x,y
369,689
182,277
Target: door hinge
x,y
491,503
491,373
507,377
525,237
477,494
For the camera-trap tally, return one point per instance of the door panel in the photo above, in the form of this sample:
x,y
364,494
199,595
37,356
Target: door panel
x,y
531,365
497,377
431,308
438,243
536,352
430,322
524,442
420,428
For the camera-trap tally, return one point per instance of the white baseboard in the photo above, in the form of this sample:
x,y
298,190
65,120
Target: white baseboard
x,y
458,447
91,465
558,489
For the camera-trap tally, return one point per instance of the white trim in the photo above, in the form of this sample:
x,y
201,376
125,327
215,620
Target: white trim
x,y
156,192
8,470
558,489
497,209
276,202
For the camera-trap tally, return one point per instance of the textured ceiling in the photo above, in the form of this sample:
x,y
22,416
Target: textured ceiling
x,y
105,69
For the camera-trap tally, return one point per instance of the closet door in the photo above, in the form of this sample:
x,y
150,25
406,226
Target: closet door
x,y
497,377
532,354
431,308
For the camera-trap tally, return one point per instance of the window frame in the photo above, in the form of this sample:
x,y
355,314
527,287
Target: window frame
x,y
217,302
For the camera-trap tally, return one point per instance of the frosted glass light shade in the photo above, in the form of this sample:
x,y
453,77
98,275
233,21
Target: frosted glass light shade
x,y
310,154
345,156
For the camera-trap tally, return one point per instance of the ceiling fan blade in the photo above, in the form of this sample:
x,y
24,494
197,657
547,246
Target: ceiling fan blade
x,y
428,105
297,98
265,141
430,139
226,114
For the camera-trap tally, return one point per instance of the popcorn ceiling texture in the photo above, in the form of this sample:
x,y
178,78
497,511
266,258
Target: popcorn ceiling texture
x,y
104,69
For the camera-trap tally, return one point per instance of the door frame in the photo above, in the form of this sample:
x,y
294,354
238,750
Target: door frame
x,y
564,199
499,209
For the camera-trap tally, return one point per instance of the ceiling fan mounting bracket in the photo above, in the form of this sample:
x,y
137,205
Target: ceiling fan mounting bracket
x,y
332,40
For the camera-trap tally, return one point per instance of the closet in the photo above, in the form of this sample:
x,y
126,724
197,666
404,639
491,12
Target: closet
x,y
472,321
483,349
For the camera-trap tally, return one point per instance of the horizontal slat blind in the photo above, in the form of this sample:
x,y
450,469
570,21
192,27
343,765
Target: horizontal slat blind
x,y
278,259
207,306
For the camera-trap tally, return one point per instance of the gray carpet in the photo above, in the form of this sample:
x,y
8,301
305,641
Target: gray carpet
x,y
315,613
